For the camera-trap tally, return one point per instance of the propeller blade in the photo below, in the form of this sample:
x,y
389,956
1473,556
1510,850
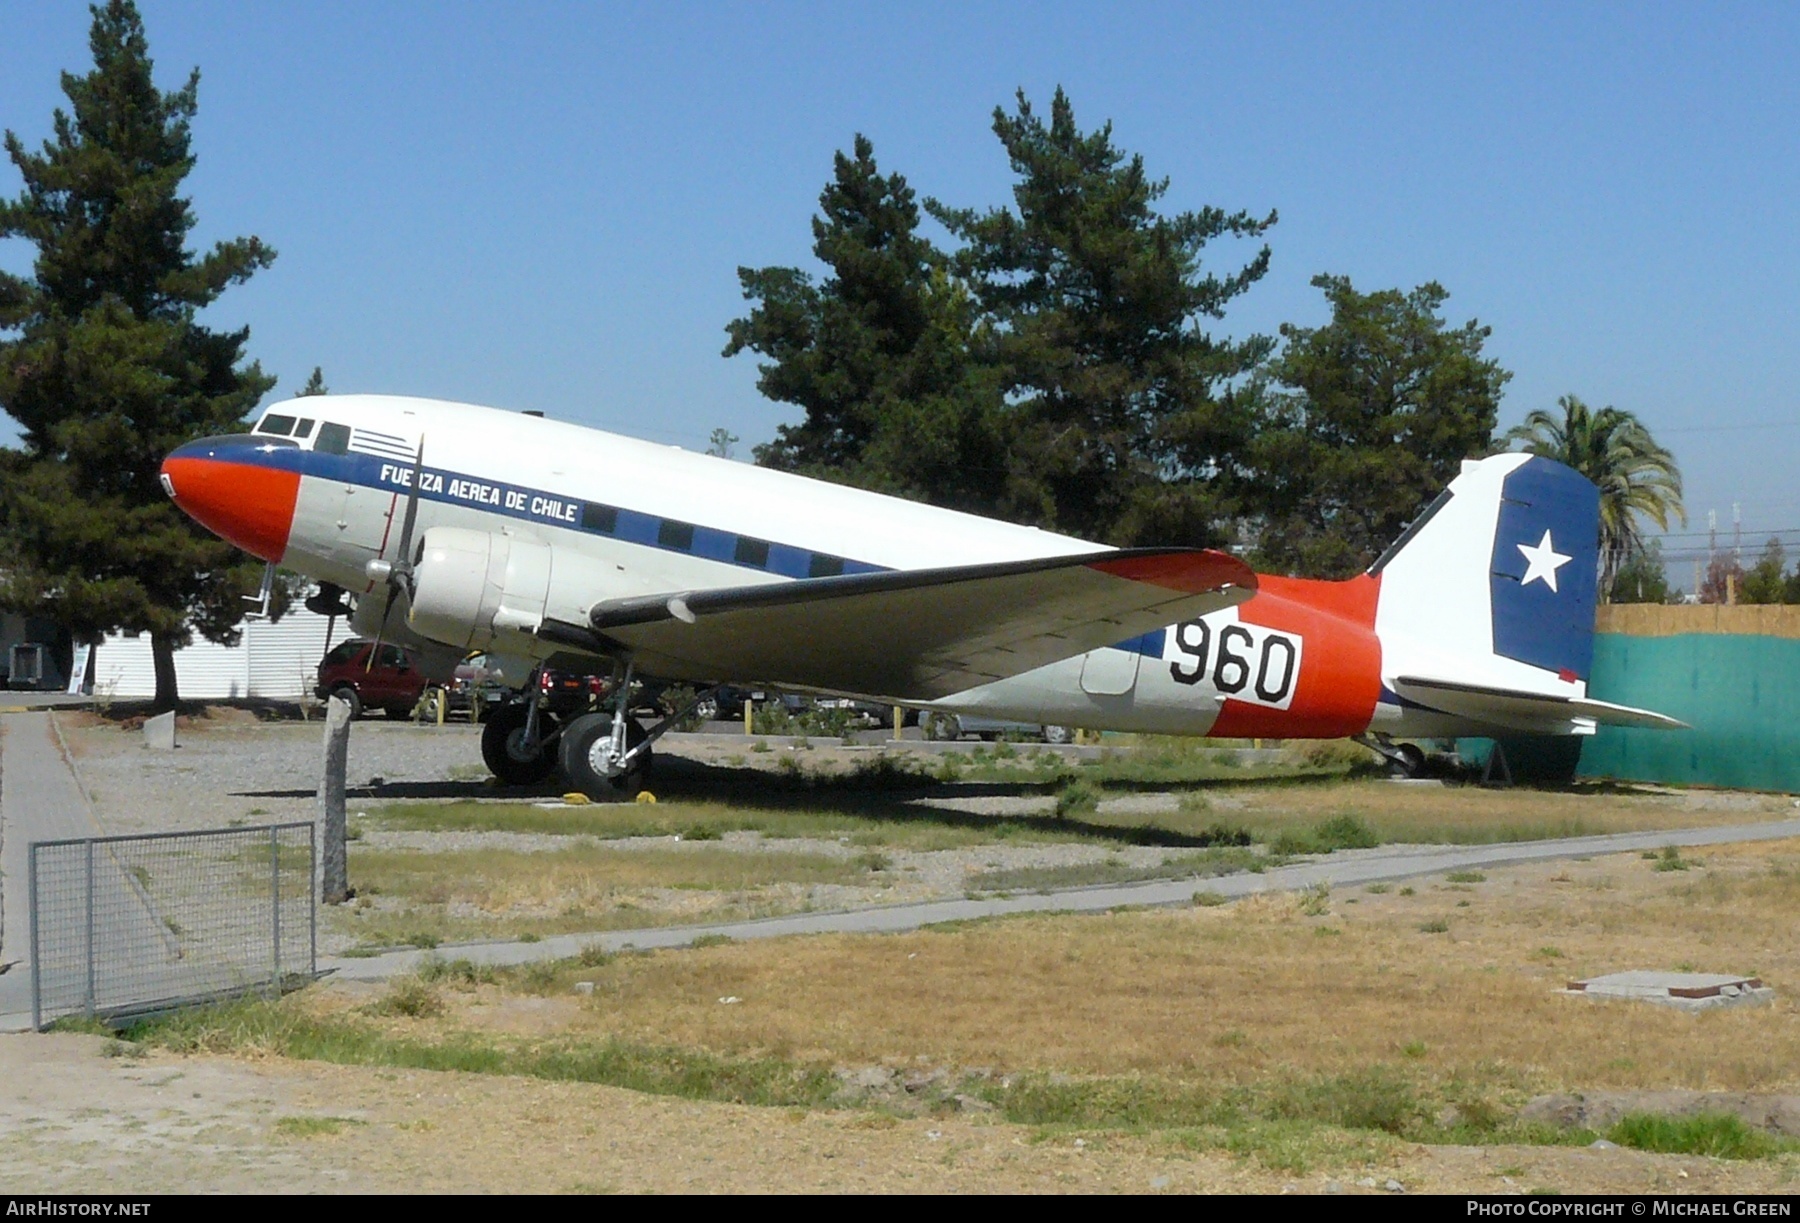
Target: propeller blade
x,y
403,561
400,571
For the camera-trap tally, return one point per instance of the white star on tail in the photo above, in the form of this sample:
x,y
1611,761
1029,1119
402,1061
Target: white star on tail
x,y
1542,562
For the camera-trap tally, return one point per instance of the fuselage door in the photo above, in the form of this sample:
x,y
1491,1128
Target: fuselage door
x,y
1109,672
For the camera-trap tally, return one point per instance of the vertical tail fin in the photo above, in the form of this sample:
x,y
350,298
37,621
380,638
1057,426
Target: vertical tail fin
x,y
1495,584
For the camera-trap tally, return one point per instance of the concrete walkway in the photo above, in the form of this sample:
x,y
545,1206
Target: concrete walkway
x,y
1339,870
39,801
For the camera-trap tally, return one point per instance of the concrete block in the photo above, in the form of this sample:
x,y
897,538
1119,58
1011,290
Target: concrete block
x,y
1685,991
159,732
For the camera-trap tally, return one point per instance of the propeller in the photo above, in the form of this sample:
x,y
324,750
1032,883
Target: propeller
x,y
398,573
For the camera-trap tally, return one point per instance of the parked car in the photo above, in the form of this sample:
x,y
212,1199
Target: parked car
x,y
948,727
392,682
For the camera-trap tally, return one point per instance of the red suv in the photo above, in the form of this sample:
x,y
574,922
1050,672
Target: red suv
x,y
393,683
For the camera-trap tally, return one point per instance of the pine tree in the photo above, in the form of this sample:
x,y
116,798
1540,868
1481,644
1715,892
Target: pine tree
x,y
1368,417
878,355
315,385
105,368
1120,426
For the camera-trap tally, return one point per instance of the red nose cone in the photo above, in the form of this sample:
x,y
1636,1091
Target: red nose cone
x,y
249,505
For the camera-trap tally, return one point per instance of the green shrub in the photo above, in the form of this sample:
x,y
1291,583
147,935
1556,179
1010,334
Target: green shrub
x,y
1078,798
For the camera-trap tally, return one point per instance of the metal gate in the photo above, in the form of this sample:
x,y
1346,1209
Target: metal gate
x,y
132,925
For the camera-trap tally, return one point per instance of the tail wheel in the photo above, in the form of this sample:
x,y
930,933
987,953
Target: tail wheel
x,y
585,754
503,746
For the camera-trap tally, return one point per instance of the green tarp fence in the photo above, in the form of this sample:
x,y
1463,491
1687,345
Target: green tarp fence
x,y
1739,693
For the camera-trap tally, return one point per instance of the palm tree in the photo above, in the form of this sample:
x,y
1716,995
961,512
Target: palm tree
x,y
1612,448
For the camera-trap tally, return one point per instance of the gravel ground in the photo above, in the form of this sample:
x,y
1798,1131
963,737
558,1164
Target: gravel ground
x,y
235,769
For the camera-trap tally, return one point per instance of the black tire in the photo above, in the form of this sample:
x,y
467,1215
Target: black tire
x,y
499,741
942,727
577,752
1059,734
348,695
1412,761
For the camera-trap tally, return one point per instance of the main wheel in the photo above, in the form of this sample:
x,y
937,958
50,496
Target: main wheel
x,y
1412,761
1058,734
942,727
348,695
502,746
586,745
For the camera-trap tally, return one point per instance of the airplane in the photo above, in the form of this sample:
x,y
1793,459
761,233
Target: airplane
x,y
459,528
1477,621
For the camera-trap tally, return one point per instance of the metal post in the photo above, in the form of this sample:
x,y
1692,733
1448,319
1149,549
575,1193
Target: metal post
x,y
275,907
37,985
90,930
312,901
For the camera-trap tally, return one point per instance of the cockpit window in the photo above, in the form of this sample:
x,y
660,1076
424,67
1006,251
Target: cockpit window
x,y
333,439
304,428
280,426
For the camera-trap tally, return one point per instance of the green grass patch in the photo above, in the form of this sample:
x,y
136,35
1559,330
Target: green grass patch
x,y
1715,1135
313,1127
660,1070
1466,877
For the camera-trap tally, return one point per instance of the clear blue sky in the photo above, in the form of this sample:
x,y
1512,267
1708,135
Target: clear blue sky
x,y
544,205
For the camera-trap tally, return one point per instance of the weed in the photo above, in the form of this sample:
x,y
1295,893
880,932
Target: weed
x,y
1414,1049
1379,889
1435,927
539,977
1407,892
759,746
412,996
711,940
1466,877
1550,953
875,862
422,939
1077,799
1315,899
1344,832
460,972
1234,1039
1206,899
594,956
700,832
1671,860
1715,1135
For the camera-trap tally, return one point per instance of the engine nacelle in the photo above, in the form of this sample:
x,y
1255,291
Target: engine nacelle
x,y
474,587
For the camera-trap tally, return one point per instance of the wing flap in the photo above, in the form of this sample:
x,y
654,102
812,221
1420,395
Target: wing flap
x,y
914,635
1528,711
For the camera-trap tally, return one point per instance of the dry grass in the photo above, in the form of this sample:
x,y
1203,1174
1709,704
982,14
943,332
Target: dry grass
x,y
414,897
1234,994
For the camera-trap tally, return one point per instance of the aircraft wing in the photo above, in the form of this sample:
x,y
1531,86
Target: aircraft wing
x,y
912,635
1526,711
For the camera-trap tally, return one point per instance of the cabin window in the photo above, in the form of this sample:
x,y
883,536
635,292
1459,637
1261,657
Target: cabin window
x,y
824,566
304,428
601,518
676,535
333,439
752,552
280,426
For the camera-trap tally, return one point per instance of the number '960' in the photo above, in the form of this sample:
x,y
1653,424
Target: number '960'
x,y
1244,661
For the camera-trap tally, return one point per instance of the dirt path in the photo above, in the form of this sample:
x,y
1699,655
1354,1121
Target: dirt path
x,y
75,1120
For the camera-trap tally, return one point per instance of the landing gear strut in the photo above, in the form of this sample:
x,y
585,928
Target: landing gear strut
x,y
606,754
1404,759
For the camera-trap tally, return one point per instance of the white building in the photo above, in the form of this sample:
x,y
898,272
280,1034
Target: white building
x,y
279,661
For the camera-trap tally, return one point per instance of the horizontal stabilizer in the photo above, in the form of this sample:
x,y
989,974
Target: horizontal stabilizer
x,y
913,635
1526,711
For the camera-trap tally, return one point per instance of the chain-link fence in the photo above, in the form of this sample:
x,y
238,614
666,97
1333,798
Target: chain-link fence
x,y
130,925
